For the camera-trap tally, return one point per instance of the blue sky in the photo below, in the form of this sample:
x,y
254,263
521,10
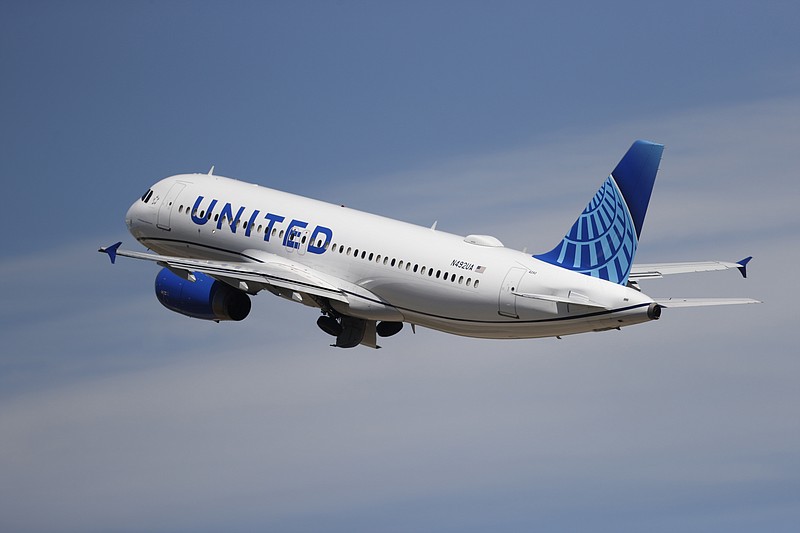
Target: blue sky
x,y
500,118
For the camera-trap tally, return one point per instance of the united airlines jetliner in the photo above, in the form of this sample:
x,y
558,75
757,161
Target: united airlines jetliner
x,y
221,241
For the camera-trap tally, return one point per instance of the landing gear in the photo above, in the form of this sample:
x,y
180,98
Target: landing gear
x,y
329,325
387,329
352,332
349,331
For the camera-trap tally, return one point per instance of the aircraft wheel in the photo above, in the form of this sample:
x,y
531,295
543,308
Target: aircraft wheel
x,y
387,329
329,325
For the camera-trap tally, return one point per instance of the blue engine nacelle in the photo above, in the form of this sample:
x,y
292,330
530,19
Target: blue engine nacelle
x,y
204,298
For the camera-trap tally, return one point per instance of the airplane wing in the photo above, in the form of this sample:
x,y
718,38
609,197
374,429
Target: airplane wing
x,y
659,270
250,277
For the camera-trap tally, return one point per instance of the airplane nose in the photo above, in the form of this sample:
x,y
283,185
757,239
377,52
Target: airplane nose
x,y
131,215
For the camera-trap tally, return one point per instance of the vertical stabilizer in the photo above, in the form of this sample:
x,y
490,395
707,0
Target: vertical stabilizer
x,y
603,241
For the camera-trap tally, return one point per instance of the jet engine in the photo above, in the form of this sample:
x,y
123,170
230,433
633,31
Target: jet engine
x,y
205,298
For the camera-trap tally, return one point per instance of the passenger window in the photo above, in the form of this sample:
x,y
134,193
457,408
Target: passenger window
x,y
476,283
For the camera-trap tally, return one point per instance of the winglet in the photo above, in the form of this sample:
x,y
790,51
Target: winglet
x,y
743,265
111,251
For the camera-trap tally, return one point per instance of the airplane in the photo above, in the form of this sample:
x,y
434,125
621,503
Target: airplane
x,y
220,241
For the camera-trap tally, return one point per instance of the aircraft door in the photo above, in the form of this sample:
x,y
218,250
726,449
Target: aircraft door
x,y
507,301
165,209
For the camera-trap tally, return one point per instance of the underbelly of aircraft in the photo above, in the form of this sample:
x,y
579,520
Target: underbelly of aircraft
x,y
509,328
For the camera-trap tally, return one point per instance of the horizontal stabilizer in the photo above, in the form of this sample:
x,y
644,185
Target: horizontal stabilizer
x,y
659,270
702,302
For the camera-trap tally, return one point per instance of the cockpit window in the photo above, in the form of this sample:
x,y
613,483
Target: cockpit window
x,y
146,196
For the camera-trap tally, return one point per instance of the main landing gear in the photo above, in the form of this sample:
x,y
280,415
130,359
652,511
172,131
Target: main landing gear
x,y
351,331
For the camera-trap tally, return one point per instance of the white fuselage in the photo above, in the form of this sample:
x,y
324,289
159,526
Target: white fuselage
x,y
402,272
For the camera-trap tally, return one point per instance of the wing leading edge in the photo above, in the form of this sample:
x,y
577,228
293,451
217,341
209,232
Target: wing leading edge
x,y
249,277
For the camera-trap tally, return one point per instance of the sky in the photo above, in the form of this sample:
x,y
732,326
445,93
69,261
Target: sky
x,y
498,118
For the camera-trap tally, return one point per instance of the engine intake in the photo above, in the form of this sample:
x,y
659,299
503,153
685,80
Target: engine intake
x,y
205,298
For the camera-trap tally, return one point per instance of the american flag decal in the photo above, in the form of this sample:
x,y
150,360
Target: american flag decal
x,y
480,269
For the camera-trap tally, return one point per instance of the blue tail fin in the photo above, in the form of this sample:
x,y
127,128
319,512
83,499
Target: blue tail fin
x,y
603,240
